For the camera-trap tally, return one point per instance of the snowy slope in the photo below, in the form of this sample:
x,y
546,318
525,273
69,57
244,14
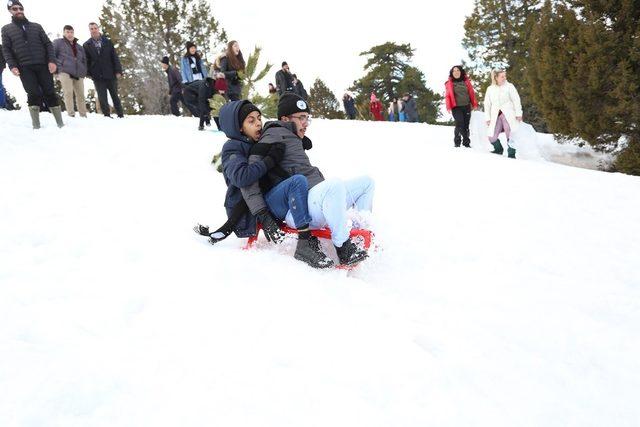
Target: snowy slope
x,y
505,293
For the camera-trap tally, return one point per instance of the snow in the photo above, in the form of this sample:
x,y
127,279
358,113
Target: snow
x,y
504,292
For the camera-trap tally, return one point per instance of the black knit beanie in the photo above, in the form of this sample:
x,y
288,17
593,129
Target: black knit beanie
x,y
12,3
189,45
290,103
165,60
246,109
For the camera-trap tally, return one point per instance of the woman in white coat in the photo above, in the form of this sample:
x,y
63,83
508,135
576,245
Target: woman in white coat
x,y
503,111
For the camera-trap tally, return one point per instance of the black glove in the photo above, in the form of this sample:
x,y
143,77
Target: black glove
x,y
275,155
271,230
306,143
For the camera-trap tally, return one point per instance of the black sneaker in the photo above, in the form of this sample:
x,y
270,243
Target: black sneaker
x,y
202,230
350,253
308,251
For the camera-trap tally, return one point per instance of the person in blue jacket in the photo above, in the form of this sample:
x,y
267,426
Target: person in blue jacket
x,y
192,66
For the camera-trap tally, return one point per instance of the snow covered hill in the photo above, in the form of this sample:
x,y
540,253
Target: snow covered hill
x,y
504,293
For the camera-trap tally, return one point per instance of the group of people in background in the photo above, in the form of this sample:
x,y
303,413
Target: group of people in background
x,y
403,109
30,55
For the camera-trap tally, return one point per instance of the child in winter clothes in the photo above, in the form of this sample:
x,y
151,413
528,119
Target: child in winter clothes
x,y
503,111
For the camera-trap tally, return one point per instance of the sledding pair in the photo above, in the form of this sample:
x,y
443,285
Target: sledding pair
x,y
271,180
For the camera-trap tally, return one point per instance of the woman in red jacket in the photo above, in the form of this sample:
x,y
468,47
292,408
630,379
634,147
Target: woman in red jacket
x,y
376,108
460,99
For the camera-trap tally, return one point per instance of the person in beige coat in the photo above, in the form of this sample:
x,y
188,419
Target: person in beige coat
x,y
503,111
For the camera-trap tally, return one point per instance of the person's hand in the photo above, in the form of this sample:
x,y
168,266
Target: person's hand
x,y
275,154
220,76
519,118
271,229
52,67
118,75
15,71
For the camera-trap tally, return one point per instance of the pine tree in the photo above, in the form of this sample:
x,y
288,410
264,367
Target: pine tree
x,y
251,74
389,75
323,102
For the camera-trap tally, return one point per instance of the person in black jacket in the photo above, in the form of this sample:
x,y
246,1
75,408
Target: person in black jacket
x,y
232,67
104,68
29,53
284,79
196,97
175,85
298,88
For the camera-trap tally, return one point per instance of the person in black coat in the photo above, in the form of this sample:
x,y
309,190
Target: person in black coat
x,y
284,79
104,68
29,53
298,88
3,96
175,85
196,97
232,68
349,106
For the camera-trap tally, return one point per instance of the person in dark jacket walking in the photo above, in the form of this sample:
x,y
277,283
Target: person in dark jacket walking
x,y
192,66
410,108
284,80
298,88
104,68
3,96
232,68
460,100
349,106
72,69
29,54
201,96
175,85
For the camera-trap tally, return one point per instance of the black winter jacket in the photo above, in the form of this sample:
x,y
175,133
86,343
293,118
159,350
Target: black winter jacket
x,y
26,43
104,65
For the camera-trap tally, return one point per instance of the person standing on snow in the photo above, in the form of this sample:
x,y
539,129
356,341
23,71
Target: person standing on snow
x,y
232,68
460,100
192,66
3,95
72,69
175,85
329,199
393,105
284,80
104,68
402,117
298,88
349,106
375,106
197,96
29,54
503,111
410,108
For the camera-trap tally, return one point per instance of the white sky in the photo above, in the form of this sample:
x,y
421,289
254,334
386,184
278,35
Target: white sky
x,y
317,38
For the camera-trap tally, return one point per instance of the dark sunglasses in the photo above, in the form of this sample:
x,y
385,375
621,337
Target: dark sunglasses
x,y
17,8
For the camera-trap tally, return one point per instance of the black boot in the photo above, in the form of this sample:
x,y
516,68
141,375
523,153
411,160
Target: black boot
x,y
497,148
308,251
350,253
511,152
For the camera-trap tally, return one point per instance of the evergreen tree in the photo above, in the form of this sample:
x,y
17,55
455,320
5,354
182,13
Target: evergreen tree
x,y
496,36
323,102
388,75
250,77
586,73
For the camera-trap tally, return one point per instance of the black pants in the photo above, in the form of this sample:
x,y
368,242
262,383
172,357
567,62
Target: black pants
x,y
112,86
175,98
462,117
190,100
38,83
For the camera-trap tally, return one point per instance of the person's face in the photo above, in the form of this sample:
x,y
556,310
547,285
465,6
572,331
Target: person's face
x,y
17,11
252,126
69,35
235,48
192,50
501,78
302,121
94,31
456,73
286,68
164,66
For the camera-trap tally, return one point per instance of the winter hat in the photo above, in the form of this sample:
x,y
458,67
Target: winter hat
x,y
221,85
290,103
165,60
246,109
189,45
12,3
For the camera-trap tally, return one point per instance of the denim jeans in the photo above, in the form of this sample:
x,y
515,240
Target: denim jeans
x,y
290,197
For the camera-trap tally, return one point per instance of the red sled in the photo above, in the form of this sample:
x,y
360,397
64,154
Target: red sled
x,y
323,233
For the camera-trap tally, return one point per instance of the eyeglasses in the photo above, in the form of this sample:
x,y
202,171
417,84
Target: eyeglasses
x,y
17,8
303,119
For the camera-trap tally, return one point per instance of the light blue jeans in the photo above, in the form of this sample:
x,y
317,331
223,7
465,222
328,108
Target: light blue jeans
x,y
330,200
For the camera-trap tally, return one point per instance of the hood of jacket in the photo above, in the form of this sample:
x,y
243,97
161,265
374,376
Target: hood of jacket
x,y
229,120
